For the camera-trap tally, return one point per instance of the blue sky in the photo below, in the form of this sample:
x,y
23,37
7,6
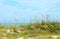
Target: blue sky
x,y
25,10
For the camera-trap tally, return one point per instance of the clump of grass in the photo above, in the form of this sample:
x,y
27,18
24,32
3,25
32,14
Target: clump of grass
x,y
33,29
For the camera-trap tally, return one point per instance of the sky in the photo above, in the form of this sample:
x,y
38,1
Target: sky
x,y
26,10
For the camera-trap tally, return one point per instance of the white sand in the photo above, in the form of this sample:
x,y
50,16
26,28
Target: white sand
x,y
4,38
20,37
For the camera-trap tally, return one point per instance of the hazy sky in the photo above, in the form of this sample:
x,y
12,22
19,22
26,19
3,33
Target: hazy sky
x,y
24,10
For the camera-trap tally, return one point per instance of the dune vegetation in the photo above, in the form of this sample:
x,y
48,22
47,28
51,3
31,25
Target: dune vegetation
x,y
36,30
30,30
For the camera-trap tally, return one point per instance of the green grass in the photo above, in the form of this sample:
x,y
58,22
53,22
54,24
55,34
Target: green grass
x,y
40,30
38,37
